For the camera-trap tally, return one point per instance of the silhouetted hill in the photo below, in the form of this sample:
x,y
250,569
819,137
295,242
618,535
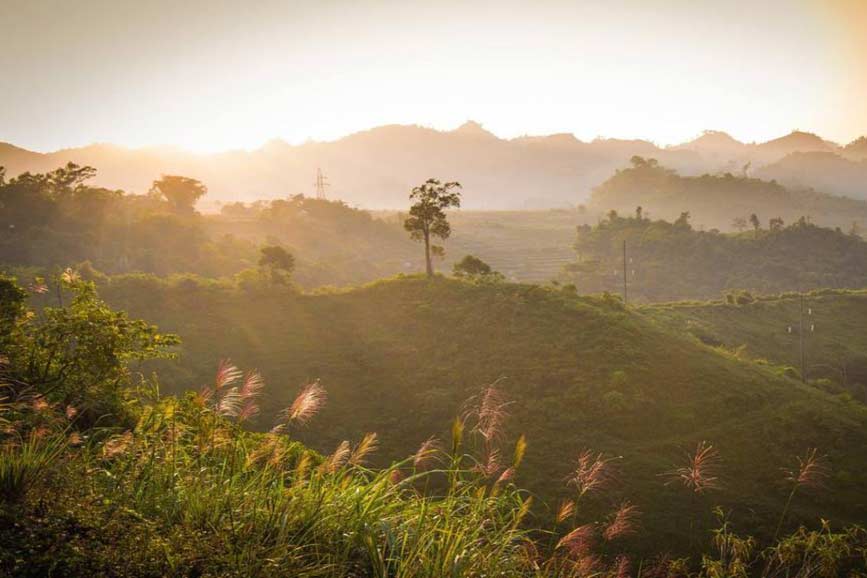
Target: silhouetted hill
x,y
376,168
796,141
824,171
717,201
857,149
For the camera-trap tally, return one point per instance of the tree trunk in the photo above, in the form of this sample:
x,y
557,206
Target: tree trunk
x,y
427,261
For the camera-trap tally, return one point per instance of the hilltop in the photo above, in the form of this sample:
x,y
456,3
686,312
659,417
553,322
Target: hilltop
x,y
823,170
375,168
717,200
399,357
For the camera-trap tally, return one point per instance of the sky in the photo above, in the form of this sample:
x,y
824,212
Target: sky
x,y
210,75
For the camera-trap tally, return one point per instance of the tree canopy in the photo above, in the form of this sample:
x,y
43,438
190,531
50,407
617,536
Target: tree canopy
x,y
427,217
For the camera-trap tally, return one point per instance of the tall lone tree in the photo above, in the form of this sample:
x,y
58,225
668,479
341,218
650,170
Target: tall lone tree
x,y
181,192
427,217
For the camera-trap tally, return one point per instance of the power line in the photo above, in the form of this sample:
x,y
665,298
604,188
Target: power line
x,y
320,184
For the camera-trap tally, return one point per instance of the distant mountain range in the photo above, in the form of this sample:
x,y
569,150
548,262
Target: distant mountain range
x,y
377,168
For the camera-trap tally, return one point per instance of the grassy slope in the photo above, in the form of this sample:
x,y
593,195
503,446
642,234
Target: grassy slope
x,y
399,356
836,350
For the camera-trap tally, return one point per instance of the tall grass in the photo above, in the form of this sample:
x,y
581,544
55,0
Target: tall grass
x,y
187,491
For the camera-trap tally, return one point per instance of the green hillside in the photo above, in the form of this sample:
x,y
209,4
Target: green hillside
x,y
835,342
399,357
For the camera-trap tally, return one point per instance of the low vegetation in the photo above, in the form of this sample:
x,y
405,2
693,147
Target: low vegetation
x,y
164,485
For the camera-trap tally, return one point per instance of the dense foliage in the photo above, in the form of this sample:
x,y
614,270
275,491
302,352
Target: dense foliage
x,y
56,219
672,260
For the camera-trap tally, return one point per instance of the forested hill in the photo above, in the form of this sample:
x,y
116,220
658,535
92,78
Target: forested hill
x,y
671,260
399,357
723,201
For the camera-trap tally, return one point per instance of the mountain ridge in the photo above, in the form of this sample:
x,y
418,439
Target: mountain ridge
x,y
375,168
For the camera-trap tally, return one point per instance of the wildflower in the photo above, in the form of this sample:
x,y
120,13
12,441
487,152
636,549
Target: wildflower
x,y
625,522
38,288
74,439
71,412
700,472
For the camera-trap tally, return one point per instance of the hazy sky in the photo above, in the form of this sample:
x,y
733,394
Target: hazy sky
x,y
212,74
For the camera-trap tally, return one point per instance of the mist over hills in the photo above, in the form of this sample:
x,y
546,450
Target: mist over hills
x,y
375,168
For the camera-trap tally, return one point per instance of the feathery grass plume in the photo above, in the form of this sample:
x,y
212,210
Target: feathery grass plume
x,y
507,475
427,453
250,390
229,405
302,467
622,566
366,446
520,450
491,466
338,459
592,473
489,408
566,509
457,435
588,565
700,473
117,445
811,472
226,375
625,522
579,542
306,405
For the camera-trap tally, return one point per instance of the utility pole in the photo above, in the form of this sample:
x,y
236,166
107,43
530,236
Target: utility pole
x,y
624,273
801,335
320,184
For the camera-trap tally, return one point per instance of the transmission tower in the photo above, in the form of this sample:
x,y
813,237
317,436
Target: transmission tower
x,y
320,184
